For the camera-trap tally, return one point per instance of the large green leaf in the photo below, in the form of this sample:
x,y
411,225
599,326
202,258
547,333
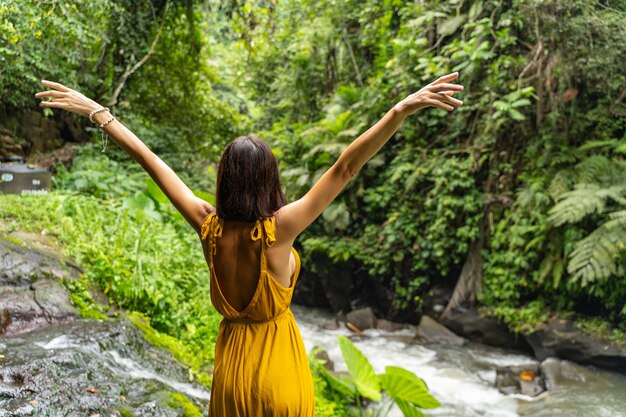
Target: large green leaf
x,y
342,384
360,370
408,409
155,192
404,385
206,196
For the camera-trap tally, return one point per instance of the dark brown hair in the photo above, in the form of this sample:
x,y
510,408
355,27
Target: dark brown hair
x,y
248,183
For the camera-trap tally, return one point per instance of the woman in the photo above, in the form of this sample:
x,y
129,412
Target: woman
x,y
261,368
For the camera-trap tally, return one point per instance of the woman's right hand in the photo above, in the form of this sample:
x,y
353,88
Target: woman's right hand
x,y
436,94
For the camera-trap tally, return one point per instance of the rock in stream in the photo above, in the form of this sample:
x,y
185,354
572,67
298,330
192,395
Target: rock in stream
x,y
88,368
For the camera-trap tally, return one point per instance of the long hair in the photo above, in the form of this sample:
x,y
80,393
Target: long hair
x,y
248,182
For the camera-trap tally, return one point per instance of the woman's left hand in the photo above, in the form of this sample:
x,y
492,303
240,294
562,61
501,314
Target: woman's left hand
x,y
67,99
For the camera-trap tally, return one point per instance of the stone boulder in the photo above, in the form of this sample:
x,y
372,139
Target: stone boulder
x,y
390,326
431,331
362,318
467,322
31,293
22,265
520,379
561,338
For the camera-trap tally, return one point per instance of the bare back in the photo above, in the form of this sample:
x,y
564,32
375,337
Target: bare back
x,y
237,260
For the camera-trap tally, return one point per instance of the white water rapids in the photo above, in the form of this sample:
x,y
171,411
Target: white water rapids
x,y
462,378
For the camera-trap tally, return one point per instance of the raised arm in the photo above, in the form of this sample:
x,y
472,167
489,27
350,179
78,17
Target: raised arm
x,y
293,218
193,209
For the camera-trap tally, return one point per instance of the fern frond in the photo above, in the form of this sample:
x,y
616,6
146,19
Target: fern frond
x,y
561,183
585,199
592,169
597,256
593,144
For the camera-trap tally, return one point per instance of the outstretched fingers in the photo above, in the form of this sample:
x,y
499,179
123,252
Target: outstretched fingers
x,y
439,88
50,93
450,100
55,104
438,103
56,86
445,78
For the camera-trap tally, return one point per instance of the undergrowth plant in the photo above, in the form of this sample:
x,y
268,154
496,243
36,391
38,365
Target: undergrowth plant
x,y
400,386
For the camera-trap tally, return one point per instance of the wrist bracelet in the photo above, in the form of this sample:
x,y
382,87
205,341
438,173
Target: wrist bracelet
x,y
96,111
107,122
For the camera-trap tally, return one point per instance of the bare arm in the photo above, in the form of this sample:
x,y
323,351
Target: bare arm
x,y
293,218
193,209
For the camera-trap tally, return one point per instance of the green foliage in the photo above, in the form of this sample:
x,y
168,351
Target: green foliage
x,y
312,75
188,408
533,162
599,192
405,389
361,371
328,402
138,269
79,294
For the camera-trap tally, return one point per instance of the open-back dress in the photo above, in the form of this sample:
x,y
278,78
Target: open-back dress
x,y
261,367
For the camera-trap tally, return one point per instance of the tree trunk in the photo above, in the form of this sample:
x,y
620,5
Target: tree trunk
x,y
470,281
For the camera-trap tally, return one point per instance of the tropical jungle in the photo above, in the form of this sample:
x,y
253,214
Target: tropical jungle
x,y
502,223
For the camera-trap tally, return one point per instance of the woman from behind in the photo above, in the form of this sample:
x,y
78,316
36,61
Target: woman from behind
x,y
261,368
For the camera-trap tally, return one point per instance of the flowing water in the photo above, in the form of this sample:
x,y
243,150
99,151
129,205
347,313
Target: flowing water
x,y
462,378
86,368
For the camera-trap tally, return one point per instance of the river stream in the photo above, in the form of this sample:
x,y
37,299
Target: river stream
x,y
462,378
100,368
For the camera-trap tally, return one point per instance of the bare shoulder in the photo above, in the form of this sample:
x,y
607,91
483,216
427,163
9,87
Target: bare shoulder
x,y
284,233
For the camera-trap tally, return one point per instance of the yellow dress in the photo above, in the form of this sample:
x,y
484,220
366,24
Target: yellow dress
x,y
261,368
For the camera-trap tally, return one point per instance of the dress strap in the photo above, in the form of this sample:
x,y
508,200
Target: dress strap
x,y
212,228
264,229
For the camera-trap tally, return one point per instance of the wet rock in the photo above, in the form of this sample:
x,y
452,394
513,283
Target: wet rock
x,y
431,331
521,379
322,355
467,322
331,324
561,338
54,300
89,367
19,312
31,294
23,309
21,265
553,373
390,326
362,318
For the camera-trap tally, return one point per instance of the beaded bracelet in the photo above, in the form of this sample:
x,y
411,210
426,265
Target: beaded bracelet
x,y
96,111
107,122
105,138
